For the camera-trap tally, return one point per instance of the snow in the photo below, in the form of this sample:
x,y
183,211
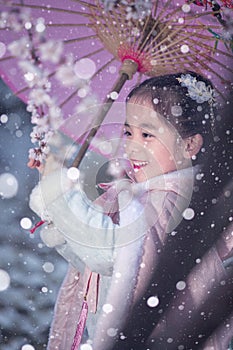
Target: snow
x,y
153,301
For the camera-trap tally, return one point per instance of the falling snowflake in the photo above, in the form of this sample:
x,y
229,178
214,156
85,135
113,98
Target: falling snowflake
x,y
188,214
48,267
26,223
51,51
27,347
153,301
8,185
73,174
4,280
112,332
107,308
86,347
180,285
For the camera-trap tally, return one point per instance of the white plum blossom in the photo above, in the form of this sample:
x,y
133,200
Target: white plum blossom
x,y
65,74
51,51
14,20
35,76
40,97
20,48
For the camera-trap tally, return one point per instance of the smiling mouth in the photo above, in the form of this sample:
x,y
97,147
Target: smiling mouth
x,y
138,165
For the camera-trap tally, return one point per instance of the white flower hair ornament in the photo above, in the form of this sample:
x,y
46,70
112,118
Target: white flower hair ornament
x,y
197,90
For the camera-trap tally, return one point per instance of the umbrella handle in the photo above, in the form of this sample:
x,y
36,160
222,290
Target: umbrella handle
x,y
101,115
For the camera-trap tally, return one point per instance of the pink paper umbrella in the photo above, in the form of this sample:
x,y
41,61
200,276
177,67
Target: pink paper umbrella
x,y
62,57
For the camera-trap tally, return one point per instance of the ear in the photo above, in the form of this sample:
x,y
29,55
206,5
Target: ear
x,y
192,145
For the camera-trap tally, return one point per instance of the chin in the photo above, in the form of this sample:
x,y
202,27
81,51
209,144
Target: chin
x,y
140,177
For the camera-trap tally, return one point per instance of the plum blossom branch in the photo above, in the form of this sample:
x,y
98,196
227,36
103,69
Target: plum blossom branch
x,y
35,53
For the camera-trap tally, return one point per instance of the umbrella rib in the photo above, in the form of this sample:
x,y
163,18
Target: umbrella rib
x,y
155,9
81,2
214,60
144,35
91,54
164,56
141,47
179,39
225,53
137,26
67,24
205,66
176,59
162,59
197,15
6,58
166,7
170,14
124,27
157,21
166,25
171,34
111,32
50,8
103,67
117,23
197,26
70,41
22,90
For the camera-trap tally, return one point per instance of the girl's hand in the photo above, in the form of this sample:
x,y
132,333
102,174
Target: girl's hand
x,y
35,164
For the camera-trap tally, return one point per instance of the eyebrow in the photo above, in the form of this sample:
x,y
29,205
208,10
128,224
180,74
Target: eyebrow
x,y
143,126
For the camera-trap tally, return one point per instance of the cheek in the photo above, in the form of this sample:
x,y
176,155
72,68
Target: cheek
x,y
160,152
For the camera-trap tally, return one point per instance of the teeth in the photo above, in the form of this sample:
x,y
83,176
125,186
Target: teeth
x,y
139,164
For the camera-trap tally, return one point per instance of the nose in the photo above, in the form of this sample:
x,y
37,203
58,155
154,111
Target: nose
x,y
132,147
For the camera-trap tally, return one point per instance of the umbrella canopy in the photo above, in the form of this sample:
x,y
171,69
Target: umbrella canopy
x,y
66,50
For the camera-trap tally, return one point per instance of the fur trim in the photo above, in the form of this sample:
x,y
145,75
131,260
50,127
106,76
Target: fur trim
x,y
51,236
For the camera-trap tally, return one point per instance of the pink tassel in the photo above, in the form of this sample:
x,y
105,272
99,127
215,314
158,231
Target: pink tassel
x,y
37,225
82,319
80,326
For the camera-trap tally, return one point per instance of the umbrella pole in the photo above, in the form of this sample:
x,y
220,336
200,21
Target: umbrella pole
x,y
127,70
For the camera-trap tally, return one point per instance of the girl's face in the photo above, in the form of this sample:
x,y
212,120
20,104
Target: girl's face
x,y
153,146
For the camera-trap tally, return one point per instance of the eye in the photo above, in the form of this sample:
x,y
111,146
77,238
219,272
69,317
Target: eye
x,y
127,133
147,135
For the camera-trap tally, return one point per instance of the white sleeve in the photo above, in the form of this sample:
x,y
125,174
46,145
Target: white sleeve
x,y
91,234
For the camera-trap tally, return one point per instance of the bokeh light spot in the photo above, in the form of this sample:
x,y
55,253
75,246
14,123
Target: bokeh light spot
x,y
85,68
4,280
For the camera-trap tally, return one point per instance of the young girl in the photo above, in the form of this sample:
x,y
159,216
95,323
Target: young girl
x,y
114,244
